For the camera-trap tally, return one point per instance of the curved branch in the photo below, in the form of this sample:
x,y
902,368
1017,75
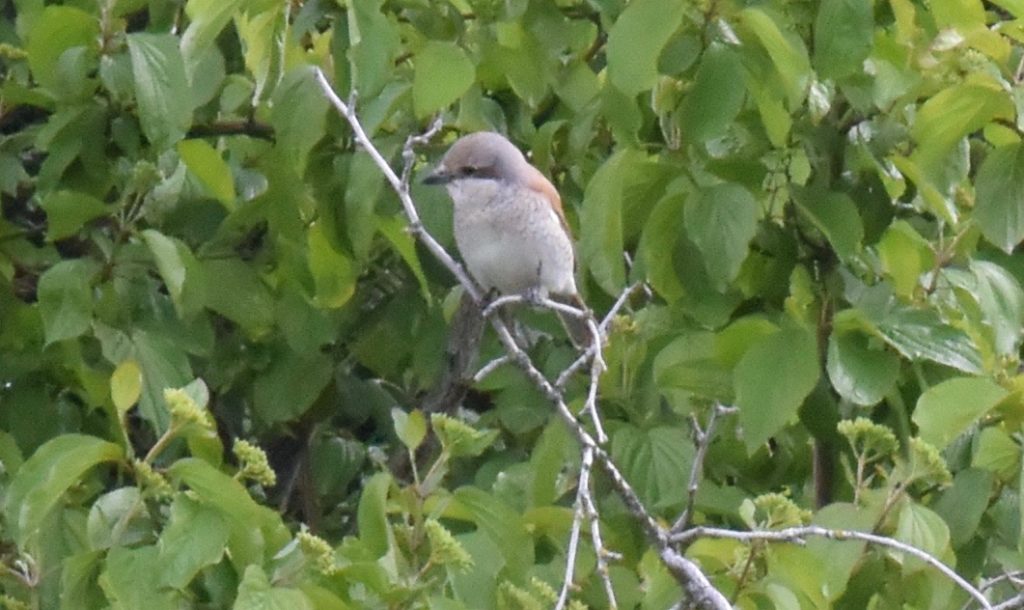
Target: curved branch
x,y
797,534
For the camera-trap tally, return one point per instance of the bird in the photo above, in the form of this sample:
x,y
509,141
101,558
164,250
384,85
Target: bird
x,y
509,225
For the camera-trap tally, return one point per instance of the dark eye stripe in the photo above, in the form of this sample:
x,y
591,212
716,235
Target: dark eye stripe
x,y
469,171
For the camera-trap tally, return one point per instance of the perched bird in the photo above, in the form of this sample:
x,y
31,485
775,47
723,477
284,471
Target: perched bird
x,y
509,224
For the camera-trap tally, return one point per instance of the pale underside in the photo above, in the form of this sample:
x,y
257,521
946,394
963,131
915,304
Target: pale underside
x,y
511,239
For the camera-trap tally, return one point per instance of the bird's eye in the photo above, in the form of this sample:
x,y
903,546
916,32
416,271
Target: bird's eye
x,y
468,170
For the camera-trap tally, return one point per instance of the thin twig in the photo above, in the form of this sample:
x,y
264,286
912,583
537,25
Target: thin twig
x,y
1014,603
590,509
490,367
574,533
797,534
583,358
702,438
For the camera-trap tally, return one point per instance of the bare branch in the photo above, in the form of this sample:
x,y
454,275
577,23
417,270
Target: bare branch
x,y
590,508
582,360
1014,603
702,438
490,367
797,534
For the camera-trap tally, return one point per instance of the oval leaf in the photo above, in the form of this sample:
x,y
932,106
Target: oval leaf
x,y
722,220
207,165
1000,191
944,411
42,480
443,73
772,380
126,385
165,109
859,373
636,41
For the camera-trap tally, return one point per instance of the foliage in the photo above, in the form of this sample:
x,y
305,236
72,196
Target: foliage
x,y
823,198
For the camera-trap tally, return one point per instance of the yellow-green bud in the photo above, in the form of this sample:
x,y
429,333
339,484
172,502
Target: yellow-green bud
x,y
873,441
444,548
152,482
184,410
781,511
318,552
253,463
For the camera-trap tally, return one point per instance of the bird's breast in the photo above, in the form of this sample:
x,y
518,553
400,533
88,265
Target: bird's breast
x,y
511,239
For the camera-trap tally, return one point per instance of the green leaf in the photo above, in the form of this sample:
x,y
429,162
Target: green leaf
x,y
1002,304
601,224
372,515
393,229
691,363
299,115
443,73
1000,190
217,489
57,30
636,40
334,273
165,107
838,558
78,581
835,215
843,35
290,386
65,299
234,290
523,61
207,165
652,461
860,373
195,537
921,527
770,388
946,410
954,112
179,270
552,451
660,236
116,519
963,504
502,525
163,364
362,191
206,20
254,532
904,255
787,53
921,334
375,42
411,427
260,31
68,211
126,386
44,478
721,220
716,97
120,580
256,593
996,451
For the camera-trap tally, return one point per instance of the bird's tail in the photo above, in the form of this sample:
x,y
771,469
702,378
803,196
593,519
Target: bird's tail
x,y
577,328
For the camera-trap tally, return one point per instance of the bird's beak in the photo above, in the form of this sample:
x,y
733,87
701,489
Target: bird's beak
x,y
440,175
